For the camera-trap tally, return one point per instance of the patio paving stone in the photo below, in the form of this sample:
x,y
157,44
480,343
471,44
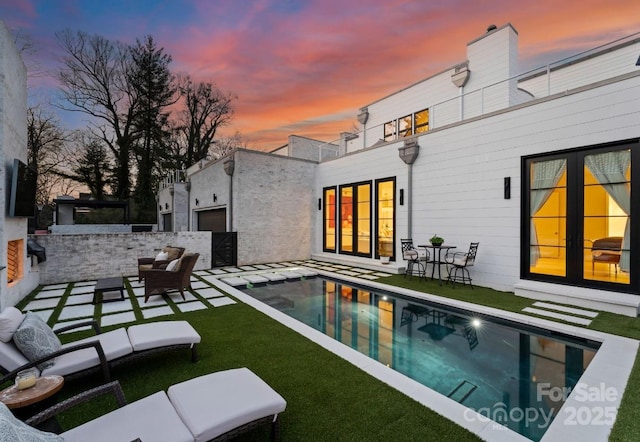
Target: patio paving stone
x,y
156,311
192,306
77,311
119,318
51,293
62,286
219,302
82,289
75,321
44,314
117,306
210,293
80,299
43,303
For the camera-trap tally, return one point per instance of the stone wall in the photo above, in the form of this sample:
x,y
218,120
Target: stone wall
x,y
92,256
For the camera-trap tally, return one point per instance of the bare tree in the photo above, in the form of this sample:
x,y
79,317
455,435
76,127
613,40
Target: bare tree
x,y
207,109
95,81
225,145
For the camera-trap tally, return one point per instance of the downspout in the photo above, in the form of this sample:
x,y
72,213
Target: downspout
x,y
229,166
408,153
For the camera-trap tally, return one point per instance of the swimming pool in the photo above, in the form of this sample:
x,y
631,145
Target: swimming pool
x,y
350,312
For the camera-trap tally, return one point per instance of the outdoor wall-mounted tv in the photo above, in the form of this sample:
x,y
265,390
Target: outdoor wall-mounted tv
x,y
22,201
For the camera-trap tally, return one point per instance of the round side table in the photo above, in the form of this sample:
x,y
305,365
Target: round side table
x,y
46,386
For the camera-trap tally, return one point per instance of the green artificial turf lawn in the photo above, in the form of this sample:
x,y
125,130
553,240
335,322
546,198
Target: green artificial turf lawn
x,y
327,397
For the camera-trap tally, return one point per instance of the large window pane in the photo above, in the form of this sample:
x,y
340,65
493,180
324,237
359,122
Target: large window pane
x,y
607,202
330,220
346,219
364,219
386,219
421,123
548,202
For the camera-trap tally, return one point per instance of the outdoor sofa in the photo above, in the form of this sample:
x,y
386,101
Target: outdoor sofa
x,y
93,354
217,406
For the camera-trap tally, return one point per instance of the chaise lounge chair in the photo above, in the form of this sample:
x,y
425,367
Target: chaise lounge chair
x,y
217,406
103,351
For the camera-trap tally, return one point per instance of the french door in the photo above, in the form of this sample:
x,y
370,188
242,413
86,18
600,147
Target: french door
x,y
578,223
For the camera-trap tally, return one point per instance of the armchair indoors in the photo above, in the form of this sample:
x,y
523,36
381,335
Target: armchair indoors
x,y
178,277
160,261
459,264
608,251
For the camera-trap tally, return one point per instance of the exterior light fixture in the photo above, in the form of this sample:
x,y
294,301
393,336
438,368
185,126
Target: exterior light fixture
x,y
507,187
197,202
638,62
166,206
402,197
215,197
319,203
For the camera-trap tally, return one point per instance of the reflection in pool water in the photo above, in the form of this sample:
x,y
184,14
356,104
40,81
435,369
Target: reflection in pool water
x,y
495,367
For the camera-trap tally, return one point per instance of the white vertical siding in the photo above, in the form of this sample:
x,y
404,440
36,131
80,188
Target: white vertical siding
x,y
458,176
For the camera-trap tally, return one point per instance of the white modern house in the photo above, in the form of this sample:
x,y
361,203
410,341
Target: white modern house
x,y
537,167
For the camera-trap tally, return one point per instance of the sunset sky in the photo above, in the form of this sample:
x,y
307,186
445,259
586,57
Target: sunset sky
x,y
305,67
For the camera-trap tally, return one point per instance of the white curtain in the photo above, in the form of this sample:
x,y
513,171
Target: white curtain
x,y
544,178
610,170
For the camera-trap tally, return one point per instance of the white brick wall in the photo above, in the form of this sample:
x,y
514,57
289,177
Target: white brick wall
x,y
13,144
93,256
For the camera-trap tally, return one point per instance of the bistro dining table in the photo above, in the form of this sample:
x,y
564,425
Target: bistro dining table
x,y
437,258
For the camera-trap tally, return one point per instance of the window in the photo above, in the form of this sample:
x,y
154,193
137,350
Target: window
x,y
385,217
390,131
355,219
421,121
329,218
579,214
405,127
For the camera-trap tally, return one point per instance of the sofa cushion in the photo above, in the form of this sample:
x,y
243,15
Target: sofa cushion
x,y
152,418
12,429
35,339
10,320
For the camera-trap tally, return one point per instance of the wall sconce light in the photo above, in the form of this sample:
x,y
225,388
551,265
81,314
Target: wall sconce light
x,y
215,197
166,206
319,203
160,207
197,202
507,187
402,197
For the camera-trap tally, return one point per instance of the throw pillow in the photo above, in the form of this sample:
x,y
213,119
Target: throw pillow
x,y
35,339
174,253
12,429
10,320
162,256
173,266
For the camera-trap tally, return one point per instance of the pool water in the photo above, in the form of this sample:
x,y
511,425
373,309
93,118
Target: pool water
x,y
513,374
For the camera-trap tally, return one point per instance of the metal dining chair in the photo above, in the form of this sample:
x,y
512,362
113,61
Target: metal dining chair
x,y
412,257
459,263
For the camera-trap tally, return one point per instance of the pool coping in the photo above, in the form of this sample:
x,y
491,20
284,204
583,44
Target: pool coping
x,y
588,414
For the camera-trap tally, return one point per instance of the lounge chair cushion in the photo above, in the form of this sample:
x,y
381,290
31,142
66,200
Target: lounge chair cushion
x,y
35,339
10,320
213,404
115,344
152,418
162,333
162,256
11,357
12,429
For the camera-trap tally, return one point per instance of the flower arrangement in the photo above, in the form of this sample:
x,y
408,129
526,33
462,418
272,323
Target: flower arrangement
x,y
436,240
